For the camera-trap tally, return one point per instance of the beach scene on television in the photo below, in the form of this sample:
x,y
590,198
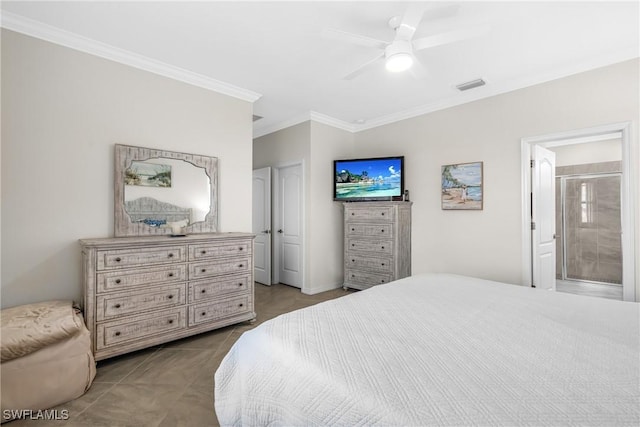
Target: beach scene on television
x,y
369,178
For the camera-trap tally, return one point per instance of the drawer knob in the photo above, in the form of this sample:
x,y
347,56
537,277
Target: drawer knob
x,y
118,259
204,313
117,306
353,260
353,229
241,265
240,305
382,281
240,248
353,275
382,213
203,252
352,213
170,321
353,245
382,231
170,274
117,334
383,263
204,270
170,297
170,255
204,291
118,281
383,247
240,284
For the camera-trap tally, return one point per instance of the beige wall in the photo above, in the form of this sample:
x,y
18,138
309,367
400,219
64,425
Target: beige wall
x,y
488,243
62,113
589,152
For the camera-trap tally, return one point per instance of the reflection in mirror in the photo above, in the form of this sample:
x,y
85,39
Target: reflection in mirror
x,y
164,192
160,191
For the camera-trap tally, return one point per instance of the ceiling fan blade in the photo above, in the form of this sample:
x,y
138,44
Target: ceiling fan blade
x,y
358,39
449,37
364,67
418,70
410,21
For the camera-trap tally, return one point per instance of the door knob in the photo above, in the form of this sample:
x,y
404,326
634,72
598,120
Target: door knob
x,y
280,231
267,231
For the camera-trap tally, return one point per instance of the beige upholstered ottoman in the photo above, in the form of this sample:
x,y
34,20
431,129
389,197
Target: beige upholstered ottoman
x,y
46,356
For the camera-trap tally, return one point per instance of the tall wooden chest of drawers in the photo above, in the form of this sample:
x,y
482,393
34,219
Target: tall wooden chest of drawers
x,y
144,291
377,243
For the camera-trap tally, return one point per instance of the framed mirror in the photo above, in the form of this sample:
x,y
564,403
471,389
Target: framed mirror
x,y
159,192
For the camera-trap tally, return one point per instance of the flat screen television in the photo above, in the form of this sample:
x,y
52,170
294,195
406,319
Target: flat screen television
x,y
359,180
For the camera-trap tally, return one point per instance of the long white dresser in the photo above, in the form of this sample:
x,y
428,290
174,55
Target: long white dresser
x,y
144,291
377,243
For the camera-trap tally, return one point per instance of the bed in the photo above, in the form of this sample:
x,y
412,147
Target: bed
x,y
441,350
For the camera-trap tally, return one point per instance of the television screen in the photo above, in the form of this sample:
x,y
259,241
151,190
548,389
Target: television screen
x,y
368,179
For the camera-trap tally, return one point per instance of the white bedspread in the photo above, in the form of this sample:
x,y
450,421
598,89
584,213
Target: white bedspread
x,y
439,350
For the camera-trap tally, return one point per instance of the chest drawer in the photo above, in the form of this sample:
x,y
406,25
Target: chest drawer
x,y
204,251
110,306
203,290
370,263
366,278
201,313
210,268
374,230
136,328
118,280
377,213
140,257
381,247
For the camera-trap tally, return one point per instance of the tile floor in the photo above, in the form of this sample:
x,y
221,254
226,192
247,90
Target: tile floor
x,y
172,384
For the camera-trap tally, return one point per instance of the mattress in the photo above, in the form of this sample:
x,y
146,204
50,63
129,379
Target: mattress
x,y
441,350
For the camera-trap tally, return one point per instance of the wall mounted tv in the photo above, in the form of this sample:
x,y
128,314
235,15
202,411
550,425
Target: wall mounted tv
x,y
359,180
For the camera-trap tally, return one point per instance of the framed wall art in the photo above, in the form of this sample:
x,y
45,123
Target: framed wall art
x,y
462,187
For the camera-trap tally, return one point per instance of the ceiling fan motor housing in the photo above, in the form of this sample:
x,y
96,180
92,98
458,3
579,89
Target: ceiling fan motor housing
x,y
398,46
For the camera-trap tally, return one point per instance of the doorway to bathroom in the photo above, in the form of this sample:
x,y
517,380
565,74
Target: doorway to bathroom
x,y
590,235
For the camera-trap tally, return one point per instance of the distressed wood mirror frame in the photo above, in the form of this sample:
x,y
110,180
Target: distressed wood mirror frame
x,y
125,155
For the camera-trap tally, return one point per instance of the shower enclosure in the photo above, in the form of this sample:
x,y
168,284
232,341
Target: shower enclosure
x,y
588,223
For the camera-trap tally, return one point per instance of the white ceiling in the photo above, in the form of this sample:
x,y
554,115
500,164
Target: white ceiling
x,y
275,52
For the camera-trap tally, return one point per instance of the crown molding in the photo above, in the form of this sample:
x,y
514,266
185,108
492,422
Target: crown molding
x,y
74,41
332,121
266,130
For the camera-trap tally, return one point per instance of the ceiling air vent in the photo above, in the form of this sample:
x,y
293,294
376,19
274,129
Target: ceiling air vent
x,y
256,118
470,85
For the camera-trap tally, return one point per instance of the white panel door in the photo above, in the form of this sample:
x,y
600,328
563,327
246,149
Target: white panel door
x,y
262,225
290,230
543,203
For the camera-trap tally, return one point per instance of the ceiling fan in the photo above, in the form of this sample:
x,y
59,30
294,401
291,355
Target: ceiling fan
x,y
399,54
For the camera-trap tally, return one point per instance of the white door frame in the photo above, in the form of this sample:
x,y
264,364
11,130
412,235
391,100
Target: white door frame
x,y
275,209
628,202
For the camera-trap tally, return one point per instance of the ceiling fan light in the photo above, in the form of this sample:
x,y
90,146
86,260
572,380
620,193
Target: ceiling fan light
x,y
399,62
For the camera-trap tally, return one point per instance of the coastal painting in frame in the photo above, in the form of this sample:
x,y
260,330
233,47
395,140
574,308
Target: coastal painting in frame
x,y
462,186
148,174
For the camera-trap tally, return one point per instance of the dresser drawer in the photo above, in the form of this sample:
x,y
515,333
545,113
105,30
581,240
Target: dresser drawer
x,y
366,278
374,230
219,266
377,213
381,247
209,312
109,306
140,257
384,265
203,290
139,327
210,250
119,280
